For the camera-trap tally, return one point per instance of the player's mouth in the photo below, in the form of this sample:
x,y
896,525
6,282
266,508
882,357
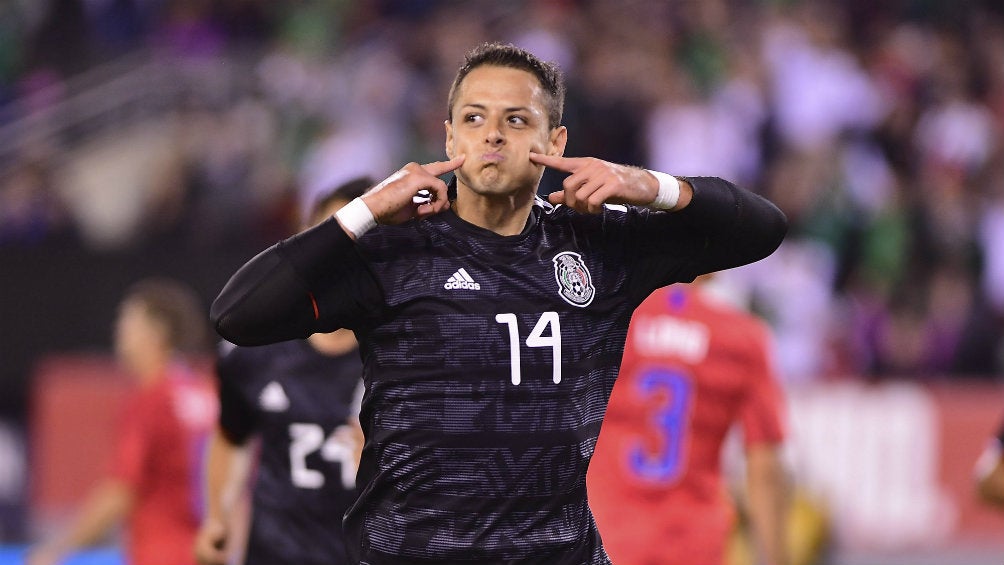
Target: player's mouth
x,y
493,157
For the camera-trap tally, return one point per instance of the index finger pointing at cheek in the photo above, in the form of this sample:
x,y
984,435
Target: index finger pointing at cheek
x,y
564,164
437,168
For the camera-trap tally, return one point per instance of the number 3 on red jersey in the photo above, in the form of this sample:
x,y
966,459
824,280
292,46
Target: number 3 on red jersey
x,y
668,393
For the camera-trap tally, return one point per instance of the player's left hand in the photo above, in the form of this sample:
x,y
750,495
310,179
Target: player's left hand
x,y
593,182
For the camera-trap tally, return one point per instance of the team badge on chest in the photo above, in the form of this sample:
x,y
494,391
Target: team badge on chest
x,y
574,283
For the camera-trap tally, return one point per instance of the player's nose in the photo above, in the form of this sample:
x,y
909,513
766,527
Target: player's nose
x,y
494,136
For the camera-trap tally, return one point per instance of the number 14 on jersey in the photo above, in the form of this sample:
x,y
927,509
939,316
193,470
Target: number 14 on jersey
x,y
548,320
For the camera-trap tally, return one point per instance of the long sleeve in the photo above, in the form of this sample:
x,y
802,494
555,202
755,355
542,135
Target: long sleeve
x,y
276,295
748,227
723,227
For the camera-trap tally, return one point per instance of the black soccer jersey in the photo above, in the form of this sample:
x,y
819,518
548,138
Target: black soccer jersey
x,y
488,360
294,398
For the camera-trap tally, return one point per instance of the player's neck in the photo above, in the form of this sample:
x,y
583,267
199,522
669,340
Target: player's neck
x,y
504,214
337,342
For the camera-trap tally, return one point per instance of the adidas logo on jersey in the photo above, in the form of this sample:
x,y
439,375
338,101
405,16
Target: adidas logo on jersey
x,y
461,279
273,398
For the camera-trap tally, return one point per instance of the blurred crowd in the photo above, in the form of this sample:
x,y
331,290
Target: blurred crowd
x,y
875,126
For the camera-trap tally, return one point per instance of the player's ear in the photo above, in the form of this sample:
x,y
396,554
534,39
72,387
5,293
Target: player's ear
x,y
449,138
557,140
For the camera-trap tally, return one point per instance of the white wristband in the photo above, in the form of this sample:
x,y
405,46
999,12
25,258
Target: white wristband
x,y
356,217
669,191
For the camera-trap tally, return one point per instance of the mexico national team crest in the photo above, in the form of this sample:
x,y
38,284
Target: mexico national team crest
x,y
574,283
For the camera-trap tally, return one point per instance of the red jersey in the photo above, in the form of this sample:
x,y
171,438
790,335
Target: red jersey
x,y
159,454
692,367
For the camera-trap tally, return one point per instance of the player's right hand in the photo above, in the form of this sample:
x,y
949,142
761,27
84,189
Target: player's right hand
x,y
392,201
211,543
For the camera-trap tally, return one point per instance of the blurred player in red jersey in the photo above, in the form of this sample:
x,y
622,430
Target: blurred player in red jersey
x,y
693,366
153,484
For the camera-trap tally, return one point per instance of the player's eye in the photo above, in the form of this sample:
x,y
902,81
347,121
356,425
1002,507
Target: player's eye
x,y
473,118
517,120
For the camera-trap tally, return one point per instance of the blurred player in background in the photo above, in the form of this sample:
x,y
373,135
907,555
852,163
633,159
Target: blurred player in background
x,y
990,472
693,366
153,485
301,398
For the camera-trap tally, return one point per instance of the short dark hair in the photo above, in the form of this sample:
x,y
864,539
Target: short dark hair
x,y
508,55
347,191
178,307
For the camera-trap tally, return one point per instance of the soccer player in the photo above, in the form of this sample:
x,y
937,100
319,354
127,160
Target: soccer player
x,y
300,398
989,472
491,322
154,481
693,366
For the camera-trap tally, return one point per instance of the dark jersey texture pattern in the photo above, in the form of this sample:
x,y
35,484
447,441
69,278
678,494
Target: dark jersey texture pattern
x,y
293,398
488,360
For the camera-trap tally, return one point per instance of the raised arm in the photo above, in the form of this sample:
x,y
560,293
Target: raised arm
x,y
268,300
733,226
277,295
728,226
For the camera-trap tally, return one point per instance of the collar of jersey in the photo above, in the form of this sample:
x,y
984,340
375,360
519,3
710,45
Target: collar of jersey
x,y
539,206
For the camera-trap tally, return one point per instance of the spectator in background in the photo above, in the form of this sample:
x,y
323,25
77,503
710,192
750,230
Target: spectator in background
x,y
30,211
693,366
366,134
153,483
301,398
60,44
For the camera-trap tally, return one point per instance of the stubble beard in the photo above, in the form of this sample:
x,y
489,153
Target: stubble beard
x,y
489,181
492,182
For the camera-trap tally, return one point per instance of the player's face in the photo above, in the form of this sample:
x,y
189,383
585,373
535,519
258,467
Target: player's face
x,y
499,117
135,334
